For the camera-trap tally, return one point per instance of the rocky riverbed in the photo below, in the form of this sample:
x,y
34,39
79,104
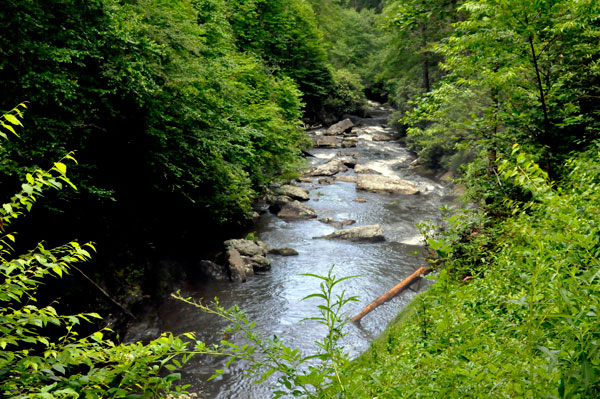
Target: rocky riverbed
x,y
356,207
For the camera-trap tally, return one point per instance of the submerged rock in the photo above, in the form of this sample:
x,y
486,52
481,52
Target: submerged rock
x,y
326,181
384,184
371,233
335,223
296,210
329,169
294,192
343,126
283,251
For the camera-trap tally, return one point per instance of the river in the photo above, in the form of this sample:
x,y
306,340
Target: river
x,y
273,299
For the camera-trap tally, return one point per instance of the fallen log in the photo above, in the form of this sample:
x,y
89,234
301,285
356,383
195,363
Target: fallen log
x,y
391,293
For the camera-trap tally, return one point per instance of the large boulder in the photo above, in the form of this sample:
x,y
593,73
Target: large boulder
x,y
329,169
213,271
325,141
296,210
247,247
343,126
258,263
294,192
385,184
371,233
239,271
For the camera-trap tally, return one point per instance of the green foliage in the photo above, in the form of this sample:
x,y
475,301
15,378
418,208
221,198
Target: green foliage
x,y
41,353
514,313
348,95
311,376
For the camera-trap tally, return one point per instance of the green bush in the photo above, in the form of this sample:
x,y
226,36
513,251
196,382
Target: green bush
x,y
347,96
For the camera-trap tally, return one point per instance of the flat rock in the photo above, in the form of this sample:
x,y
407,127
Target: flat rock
x,y
349,179
380,137
349,142
304,179
384,184
296,210
325,141
343,126
283,251
294,192
371,233
363,169
329,169
360,200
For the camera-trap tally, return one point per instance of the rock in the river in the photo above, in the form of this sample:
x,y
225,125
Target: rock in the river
x,y
277,202
238,270
335,223
349,142
326,181
360,200
325,141
371,233
349,162
283,251
329,169
247,247
384,184
349,179
296,210
213,271
305,179
258,263
343,126
294,192
363,169
380,137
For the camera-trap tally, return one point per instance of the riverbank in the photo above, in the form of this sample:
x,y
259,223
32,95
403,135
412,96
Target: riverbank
x,y
514,312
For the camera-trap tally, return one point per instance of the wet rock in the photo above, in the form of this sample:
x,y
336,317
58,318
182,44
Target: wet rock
x,y
360,200
213,271
304,179
371,233
294,192
447,177
277,202
238,270
329,169
325,141
380,137
296,210
335,223
384,184
247,247
343,126
414,164
258,263
283,251
349,179
349,142
364,169
326,181
349,162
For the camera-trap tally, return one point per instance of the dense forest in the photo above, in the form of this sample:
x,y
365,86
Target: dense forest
x,y
173,118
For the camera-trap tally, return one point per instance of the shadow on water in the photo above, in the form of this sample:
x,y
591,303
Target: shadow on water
x,y
273,299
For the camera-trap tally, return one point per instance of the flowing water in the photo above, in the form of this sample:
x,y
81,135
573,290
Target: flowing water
x,y
273,299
